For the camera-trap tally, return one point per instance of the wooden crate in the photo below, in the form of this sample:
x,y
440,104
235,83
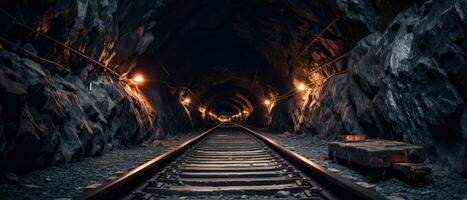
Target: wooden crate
x,y
373,153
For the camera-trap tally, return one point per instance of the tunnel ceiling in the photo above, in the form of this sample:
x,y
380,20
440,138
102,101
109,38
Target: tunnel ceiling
x,y
233,54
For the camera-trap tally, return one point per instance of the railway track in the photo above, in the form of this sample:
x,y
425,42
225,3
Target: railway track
x,y
230,160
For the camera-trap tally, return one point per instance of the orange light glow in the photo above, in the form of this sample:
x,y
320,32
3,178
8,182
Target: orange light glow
x,y
138,79
223,118
246,112
186,101
301,87
267,102
202,109
353,138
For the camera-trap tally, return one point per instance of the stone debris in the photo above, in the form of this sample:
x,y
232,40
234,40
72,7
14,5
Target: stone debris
x,y
286,134
333,169
282,193
394,198
119,172
323,157
32,186
12,177
348,177
93,186
156,142
365,184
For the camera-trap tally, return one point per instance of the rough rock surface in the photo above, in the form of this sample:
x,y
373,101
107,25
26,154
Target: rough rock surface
x,y
48,119
49,115
404,83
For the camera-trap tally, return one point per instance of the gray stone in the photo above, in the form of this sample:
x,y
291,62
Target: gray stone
x,y
282,194
12,177
32,186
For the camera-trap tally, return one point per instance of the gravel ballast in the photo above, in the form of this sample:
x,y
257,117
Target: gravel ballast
x,y
442,184
73,180
69,181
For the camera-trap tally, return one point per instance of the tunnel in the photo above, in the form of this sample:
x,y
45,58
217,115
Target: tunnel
x,y
82,81
236,55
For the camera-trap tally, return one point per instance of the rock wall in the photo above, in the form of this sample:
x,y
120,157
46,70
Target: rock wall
x,y
51,115
48,119
404,83
172,117
300,56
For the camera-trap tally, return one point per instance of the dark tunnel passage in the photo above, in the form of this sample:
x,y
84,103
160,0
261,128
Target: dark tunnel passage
x,y
80,78
236,55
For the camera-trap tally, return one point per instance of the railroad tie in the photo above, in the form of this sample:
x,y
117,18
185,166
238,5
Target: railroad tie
x,y
230,162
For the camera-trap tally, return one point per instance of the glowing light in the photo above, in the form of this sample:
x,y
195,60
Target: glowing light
x,y
301,87
353,138
246,112
224,118
267,102
186,101
138,79
202,109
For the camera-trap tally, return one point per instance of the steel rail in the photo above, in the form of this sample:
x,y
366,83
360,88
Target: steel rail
x,y
335,186
120,186
344,188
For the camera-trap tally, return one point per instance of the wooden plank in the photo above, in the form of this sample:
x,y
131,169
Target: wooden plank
x,y
229,169
209,190
231,165
233,181
245,148
227,152
230,161
230,174
233,156
374,153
